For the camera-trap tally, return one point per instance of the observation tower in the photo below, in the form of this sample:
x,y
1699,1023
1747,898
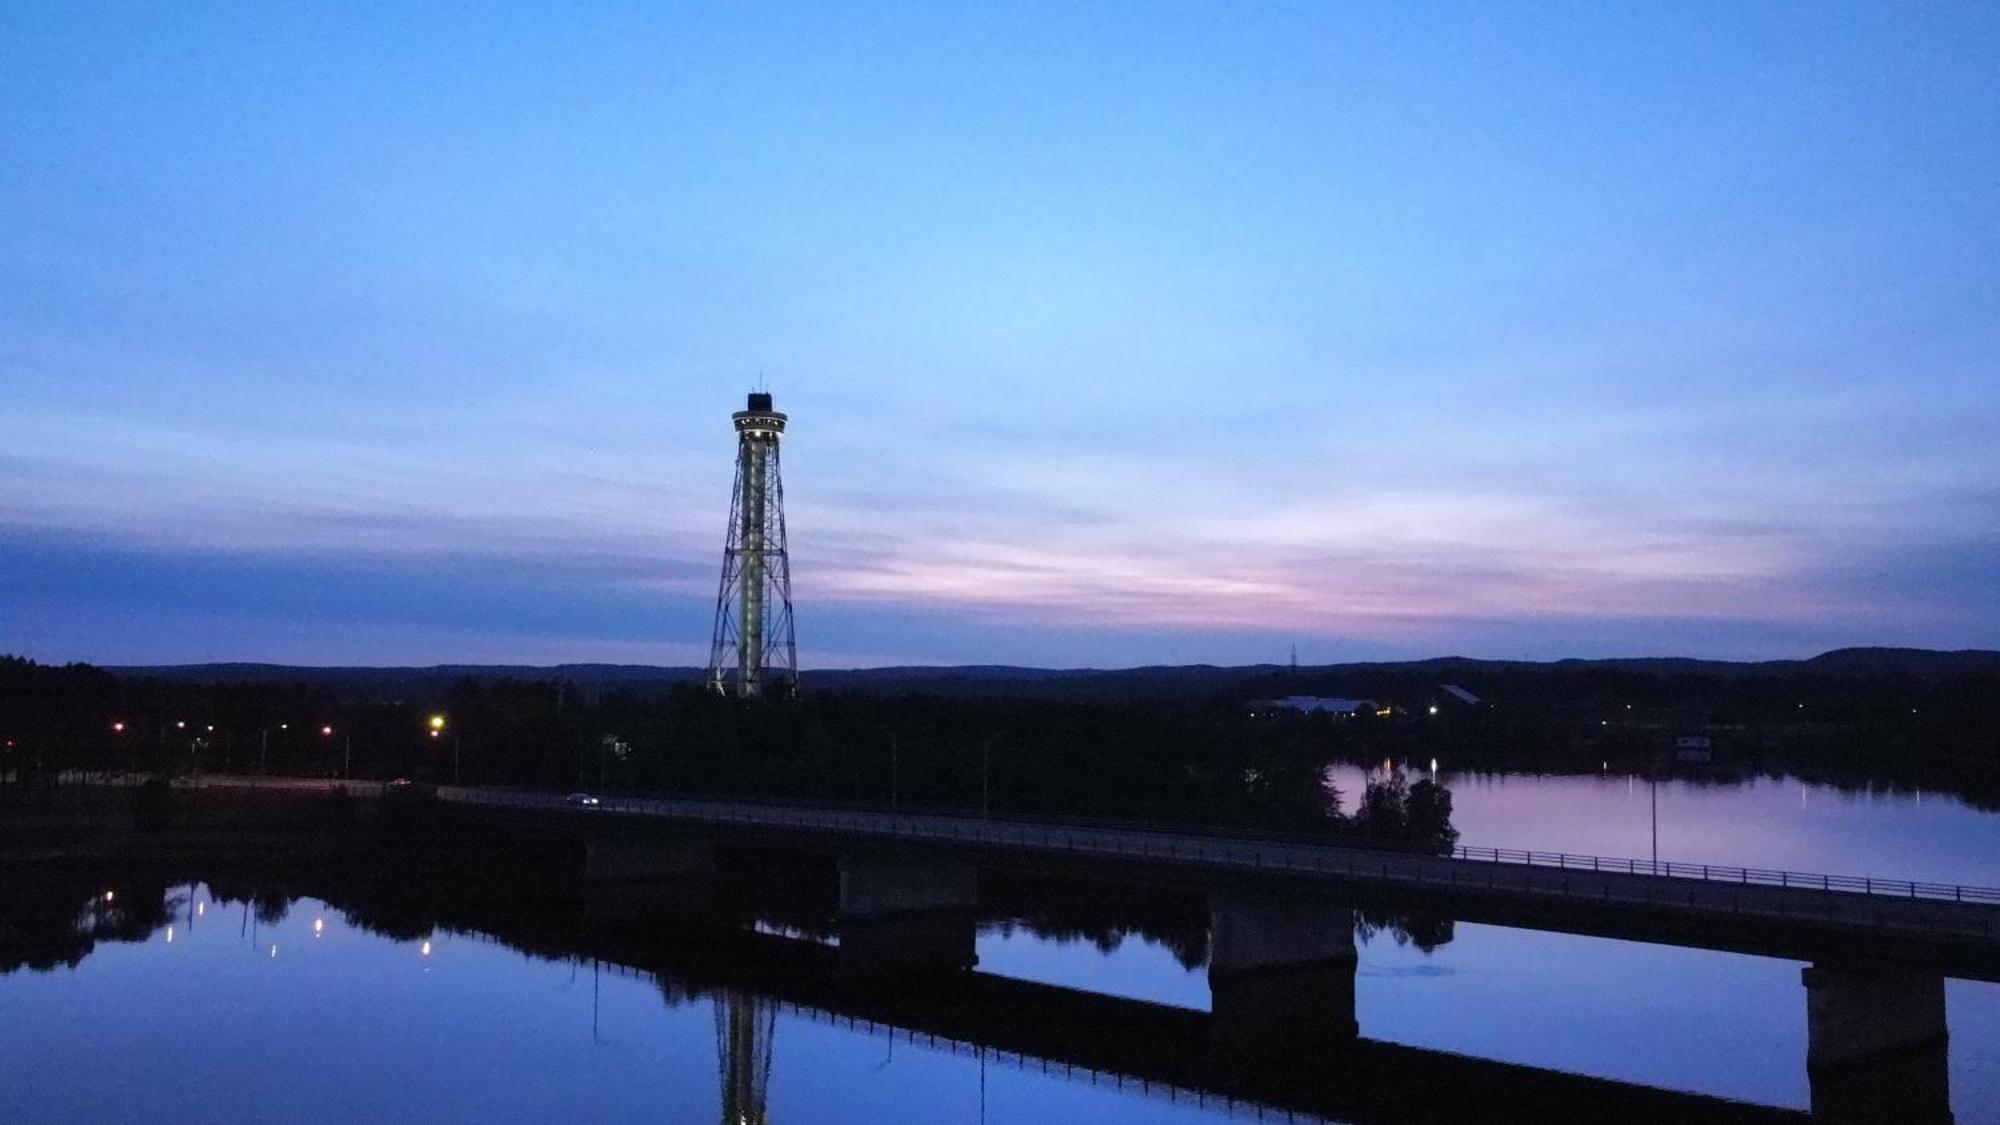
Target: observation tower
x,y
752,651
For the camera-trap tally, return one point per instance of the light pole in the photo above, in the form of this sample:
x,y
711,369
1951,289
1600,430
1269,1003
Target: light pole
x,y
194,753
264,748
1653,789
895,767
165,763
986,775
437,725
347,752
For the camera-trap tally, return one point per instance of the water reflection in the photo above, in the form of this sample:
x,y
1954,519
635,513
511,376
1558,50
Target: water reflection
x,y
1098,1043
450,991
56,924
745,1025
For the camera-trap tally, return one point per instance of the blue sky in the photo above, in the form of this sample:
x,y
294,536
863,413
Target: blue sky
x,y
1111,334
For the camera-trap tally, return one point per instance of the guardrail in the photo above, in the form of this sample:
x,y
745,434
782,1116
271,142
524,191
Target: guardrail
x,y
1741,876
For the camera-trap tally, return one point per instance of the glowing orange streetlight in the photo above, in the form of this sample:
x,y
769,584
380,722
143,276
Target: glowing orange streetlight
x,y
436,724
346,750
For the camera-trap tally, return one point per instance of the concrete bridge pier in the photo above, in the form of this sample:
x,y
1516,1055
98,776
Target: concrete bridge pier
x,y
1280,974
903,916
635,876
1876,1045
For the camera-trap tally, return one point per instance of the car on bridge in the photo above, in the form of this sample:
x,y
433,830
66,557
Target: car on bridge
x,y
581,801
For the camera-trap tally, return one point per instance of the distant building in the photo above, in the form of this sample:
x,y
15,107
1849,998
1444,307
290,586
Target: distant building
x,y
1694,748
1305,704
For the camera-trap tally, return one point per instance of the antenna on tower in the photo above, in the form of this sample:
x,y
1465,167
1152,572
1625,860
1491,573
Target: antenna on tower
x,y
1295,657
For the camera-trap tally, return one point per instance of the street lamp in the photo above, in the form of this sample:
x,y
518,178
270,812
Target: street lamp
x,y
264,748
117,729
986,775
195,744
437,725
346,749
895,767
164,760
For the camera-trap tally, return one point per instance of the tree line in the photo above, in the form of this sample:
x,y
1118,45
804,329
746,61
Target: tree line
x,y
1187,761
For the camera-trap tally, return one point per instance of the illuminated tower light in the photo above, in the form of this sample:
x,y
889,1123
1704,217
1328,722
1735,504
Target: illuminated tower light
x,y
752,651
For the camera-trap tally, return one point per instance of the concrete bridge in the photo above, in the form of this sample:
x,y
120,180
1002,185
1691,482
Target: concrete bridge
x,y
1949,930
1281,921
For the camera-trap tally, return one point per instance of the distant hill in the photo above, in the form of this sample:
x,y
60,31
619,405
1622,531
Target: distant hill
x,y
1904,661
1081,683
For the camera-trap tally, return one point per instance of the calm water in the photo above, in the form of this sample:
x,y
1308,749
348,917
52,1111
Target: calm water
x,y
1780,823
222,1017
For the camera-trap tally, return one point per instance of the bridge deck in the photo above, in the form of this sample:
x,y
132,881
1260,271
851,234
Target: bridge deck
x,y
1957,935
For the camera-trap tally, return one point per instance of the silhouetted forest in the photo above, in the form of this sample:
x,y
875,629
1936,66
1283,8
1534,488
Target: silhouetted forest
x,y
1163,743
1186,761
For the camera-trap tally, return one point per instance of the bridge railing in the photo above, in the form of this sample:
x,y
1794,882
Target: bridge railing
x,y
1509,869
1742,876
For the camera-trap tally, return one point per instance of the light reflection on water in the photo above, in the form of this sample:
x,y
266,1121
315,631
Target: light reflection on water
x,y
295,1014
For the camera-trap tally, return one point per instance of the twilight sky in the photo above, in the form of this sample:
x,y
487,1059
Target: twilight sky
x,y
1111,334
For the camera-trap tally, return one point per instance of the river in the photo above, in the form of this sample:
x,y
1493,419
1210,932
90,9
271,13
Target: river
x,y
202,1006
1780,823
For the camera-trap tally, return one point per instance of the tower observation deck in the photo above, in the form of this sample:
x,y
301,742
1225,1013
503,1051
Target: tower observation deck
x,y
752,651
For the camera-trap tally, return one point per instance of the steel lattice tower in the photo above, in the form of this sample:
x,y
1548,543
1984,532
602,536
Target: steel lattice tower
x,y
752,651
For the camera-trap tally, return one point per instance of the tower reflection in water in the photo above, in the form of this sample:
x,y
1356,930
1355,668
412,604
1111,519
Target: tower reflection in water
x,y
744,1028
